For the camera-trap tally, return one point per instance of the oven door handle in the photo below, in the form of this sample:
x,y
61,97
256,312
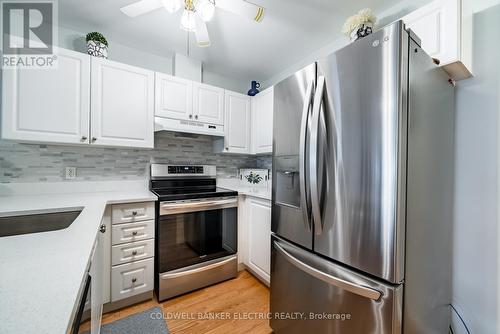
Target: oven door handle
x,y
169,208
197,270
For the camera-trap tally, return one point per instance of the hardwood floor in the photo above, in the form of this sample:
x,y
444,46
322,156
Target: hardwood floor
x,y
240,301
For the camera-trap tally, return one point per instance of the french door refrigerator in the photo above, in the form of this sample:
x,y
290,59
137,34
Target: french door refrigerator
x,y
362,191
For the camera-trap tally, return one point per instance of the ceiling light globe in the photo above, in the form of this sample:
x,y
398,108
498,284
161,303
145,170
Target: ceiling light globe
x,y
206,9
172,5
188,21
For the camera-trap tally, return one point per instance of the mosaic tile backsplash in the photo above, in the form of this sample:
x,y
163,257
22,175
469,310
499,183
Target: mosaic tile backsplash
x,y
46,163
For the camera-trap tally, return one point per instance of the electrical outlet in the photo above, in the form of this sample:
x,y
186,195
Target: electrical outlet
x,y
70,173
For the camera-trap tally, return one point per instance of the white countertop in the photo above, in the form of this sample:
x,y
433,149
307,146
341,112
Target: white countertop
x,y
263,192
42,273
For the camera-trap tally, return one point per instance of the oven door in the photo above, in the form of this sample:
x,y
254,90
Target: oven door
x,y
194,231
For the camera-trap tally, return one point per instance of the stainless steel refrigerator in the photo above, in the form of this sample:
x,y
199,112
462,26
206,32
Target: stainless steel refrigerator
x,y
362,191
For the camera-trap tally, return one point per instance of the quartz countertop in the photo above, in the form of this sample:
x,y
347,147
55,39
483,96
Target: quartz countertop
x,y
43,273
263,192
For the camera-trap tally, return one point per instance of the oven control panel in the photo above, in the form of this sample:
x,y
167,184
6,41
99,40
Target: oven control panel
x,y
185,169
159,171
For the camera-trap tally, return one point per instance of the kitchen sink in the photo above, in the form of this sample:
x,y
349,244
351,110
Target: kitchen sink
x,y
39,221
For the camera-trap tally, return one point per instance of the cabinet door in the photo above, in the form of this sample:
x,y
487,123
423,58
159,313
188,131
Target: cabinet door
x,y
174,97
262,122
106,256
259,236
122,105
97,274
49,105
237,123
242,231
208,103
131,279
437,25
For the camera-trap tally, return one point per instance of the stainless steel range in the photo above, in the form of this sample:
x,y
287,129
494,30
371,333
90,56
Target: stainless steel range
x,y
196,229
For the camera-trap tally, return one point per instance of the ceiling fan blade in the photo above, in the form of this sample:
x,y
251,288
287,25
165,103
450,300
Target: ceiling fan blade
x,y
242,8
141,7
201,32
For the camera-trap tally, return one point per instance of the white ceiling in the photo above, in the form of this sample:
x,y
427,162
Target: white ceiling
x,y
291,30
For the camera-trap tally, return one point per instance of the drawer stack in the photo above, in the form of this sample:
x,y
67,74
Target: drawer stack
x,y
132,250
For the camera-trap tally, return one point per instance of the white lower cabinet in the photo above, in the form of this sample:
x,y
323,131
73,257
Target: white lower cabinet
x,y
129,213
106,258
131,279
131,253
242,231
256,237
97,284
130,232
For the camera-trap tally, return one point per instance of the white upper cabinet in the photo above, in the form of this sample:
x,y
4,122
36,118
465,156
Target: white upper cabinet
x,y
174,97
122,105
49,105
237,123
208,103
445,29
262,122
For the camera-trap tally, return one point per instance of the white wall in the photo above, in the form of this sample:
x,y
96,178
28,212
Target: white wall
x,y
392,14
75,40
475,265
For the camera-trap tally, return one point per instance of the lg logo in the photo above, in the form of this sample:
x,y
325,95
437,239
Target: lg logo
x,y
28,27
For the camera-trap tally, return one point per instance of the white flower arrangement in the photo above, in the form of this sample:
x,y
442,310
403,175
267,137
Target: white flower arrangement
x,y
364,16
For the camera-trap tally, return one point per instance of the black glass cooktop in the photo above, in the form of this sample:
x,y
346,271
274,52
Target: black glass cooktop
x,y
180,189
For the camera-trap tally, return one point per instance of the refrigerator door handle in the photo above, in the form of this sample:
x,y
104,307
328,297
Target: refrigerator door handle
x,y
329,279
314,158
302,155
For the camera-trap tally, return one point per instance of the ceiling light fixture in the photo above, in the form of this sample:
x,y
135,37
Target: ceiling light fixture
x,y
172,5
188,22
206,9
197,12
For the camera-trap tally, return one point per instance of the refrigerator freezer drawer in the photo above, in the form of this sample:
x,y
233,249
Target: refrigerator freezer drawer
x,y
312,295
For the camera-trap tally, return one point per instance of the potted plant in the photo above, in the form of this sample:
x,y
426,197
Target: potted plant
x,y
97,45
253,178
359,25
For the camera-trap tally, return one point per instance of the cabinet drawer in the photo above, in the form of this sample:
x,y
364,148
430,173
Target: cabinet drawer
x,y
123,233
133,251
131,279
128,213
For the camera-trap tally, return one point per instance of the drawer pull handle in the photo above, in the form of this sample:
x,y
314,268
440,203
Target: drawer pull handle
x,y
134,252
134,280
134,233
134,213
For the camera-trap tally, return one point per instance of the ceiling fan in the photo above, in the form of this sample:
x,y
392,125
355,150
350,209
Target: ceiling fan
x,y
197,12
